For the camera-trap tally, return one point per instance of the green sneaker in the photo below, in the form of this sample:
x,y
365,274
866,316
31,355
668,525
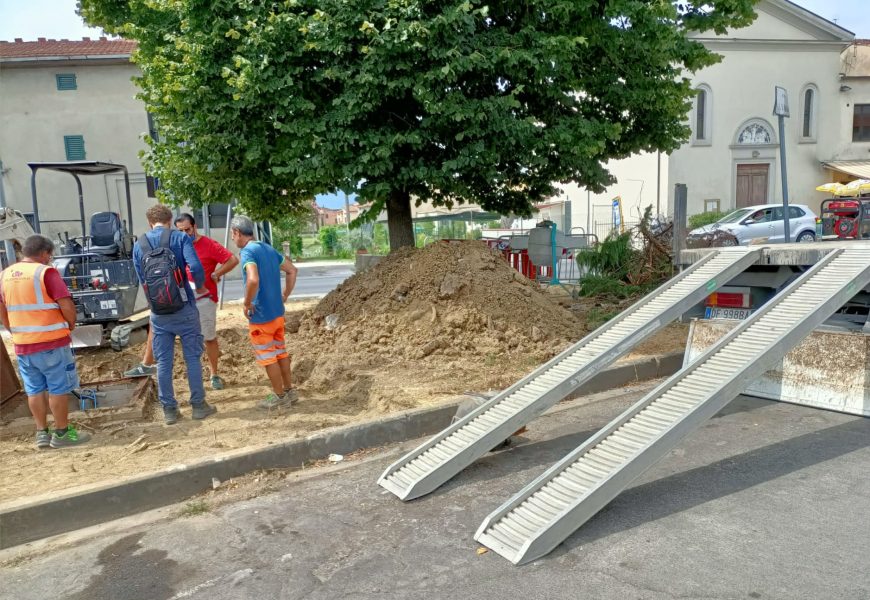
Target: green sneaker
x,y
141,370
43,439
216,382
69,439
273,401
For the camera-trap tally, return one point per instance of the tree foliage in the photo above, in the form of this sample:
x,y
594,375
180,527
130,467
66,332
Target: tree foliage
x,y
289,228
451,101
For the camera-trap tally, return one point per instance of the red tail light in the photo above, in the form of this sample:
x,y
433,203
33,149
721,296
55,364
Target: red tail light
x,y
730,298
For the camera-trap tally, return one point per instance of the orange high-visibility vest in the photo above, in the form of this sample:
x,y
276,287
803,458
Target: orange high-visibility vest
x,y
34,317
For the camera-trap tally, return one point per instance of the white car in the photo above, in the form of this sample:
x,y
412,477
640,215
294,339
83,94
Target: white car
x,y
761,222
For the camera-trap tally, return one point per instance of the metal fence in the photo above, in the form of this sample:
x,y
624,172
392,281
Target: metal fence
x,y
604,229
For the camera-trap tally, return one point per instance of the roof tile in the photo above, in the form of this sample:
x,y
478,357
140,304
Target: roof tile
x,y
85,47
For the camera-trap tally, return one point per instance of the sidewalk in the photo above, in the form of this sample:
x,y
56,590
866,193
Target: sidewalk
x,y
764,501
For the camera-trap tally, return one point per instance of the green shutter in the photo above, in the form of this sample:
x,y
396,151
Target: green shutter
x,y
66,81
74,146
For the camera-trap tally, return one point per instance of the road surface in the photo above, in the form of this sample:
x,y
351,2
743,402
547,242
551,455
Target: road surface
x,y
766,500
314,279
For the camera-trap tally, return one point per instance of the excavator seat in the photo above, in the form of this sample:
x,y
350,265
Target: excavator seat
x,y
106,233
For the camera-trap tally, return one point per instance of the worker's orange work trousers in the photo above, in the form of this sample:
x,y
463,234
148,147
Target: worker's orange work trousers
x,y
268,341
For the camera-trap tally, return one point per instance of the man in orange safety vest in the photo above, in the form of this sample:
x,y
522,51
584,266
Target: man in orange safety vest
x,y
36,307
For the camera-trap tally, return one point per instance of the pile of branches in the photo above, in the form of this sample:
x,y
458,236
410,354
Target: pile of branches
x,y
655,238
628,264
715,239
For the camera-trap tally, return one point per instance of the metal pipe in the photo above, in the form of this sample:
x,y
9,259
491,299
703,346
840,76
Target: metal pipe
x,y
34,203
681,199
81,203
226,244
129,202
206,225
658,184
588,211
785,216
8,245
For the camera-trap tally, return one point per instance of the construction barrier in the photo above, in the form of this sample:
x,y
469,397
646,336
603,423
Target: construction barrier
x,y
567,268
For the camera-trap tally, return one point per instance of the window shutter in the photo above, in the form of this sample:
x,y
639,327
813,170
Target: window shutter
x,y
66,81
74,145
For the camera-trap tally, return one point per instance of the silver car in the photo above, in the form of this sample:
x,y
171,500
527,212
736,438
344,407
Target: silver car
x,y
761,222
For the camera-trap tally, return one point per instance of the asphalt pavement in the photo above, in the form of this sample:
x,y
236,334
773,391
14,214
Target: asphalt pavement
x,y
766,500
314,279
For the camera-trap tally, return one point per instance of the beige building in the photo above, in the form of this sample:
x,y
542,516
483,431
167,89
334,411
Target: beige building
x,y
852,158
71,100
733,158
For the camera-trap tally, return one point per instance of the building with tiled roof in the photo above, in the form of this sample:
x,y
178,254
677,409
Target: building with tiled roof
x,y
71,100
46,50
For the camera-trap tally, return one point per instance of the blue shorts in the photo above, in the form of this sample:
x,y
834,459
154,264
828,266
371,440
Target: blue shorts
x,y
52,370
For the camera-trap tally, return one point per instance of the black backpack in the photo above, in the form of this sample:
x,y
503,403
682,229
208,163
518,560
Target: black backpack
x,y
165,282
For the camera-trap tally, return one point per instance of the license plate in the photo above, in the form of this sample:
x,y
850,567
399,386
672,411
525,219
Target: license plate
x,y
716,312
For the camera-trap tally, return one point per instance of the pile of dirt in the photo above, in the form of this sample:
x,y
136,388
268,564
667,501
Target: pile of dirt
x,y
420,325
420,328
452,309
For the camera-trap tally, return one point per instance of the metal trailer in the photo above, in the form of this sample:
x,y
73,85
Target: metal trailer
x,y
775,296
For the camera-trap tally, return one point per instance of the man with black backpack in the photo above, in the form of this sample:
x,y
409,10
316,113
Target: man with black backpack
x,y
162,257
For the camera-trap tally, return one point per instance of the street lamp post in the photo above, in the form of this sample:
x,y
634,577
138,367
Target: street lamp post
x,y
780,109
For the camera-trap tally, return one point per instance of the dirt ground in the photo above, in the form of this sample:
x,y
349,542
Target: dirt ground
x,y
418,330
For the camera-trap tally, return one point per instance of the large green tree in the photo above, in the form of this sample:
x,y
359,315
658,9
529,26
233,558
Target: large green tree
x,y
448,101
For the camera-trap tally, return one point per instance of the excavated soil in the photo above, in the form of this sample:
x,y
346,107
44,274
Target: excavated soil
x,y
420,328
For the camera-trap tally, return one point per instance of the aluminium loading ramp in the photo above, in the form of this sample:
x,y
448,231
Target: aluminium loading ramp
x,y
553,506
449,452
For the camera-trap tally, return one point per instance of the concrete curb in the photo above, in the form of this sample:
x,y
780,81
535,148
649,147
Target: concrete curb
x,y
51,514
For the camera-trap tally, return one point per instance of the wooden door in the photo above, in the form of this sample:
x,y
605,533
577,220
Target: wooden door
x,y
752,184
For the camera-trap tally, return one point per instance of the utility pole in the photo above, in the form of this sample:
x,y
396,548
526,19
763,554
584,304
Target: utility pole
x,y
588,211
780,109
226,243
658,184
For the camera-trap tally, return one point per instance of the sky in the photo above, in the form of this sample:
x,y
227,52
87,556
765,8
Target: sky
x,y
30,19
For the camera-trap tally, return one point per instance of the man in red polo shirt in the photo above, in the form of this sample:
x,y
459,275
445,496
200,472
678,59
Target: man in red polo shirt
x,y
36,307
216,262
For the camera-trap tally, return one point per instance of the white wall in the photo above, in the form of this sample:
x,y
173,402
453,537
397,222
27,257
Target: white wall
x,y
781,48
743,88
34,117
635,183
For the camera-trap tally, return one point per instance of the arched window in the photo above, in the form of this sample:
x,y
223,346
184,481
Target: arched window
x,y
702,124
755,132
809,110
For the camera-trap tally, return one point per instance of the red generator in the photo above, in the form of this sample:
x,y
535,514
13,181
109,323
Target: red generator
x,y
847,218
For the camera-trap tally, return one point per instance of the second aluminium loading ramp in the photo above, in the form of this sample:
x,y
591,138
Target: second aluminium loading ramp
x,y
552,507
449,452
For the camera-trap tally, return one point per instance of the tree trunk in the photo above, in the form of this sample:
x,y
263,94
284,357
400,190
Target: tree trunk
x,y
399,220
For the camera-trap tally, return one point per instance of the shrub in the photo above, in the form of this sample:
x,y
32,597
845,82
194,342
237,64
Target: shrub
x,y
328,237
705,218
